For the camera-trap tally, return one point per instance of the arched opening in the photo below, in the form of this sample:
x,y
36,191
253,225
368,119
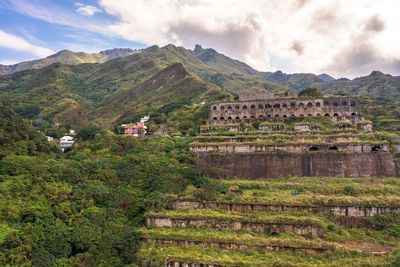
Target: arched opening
x,y
334,148
252,106
229,118
353,114
237,118
245,117
292,115
318,115
222,107
260,116
292,105
313,148
317,104
376,149
244,107
215,118
309,115
284,116
229,107
301,115
253,117
260,106
326,103
335,115
335,104
268,116
353,103
237,107
214,108
276,116
284,105
277,105
327,115
301,105
222,118
309,105
344,103
268,106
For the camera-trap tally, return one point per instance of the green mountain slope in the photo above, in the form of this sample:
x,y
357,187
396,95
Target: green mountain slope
x,y
67,57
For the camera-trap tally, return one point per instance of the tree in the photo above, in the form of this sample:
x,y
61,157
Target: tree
x,y
310,92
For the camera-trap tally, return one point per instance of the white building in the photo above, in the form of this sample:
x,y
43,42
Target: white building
x,y
66,142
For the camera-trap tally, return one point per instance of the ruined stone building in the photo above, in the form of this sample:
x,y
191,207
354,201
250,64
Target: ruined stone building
x,y
260,104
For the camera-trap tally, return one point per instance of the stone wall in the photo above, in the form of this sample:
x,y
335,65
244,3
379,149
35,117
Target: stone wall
x,y
295,148
301,165
247,226
245,110
241,207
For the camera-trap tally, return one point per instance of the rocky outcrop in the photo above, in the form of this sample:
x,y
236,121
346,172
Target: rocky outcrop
x,y
260,227
241,207
301,165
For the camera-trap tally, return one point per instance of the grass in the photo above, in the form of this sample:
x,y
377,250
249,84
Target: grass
x,y
323,191
282,142
245,238
167,253
268,217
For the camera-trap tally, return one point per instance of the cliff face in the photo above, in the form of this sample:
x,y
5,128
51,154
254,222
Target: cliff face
x,y
324,164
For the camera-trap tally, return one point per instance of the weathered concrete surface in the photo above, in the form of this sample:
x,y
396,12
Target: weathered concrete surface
x,y
290,148
311,164
248,226
230,246
240,207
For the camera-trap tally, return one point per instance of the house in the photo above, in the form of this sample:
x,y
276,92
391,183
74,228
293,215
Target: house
x,y
66,142
134,130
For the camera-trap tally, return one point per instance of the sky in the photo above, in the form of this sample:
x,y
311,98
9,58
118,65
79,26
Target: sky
x,y
343,38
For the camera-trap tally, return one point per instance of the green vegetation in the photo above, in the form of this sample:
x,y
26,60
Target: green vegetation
x,y
310,92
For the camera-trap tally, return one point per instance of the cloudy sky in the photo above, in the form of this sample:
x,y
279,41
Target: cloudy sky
x,y
344,38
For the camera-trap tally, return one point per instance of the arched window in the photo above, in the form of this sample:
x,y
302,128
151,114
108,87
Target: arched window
x,y
222,107
260,106
268,116
229,118
327,115
317,104
334,148
268,106
222,118
313,148
253,117
335,115
277,105
353,103
214,108
252,106
229,107
276,116
244,107
237,107
309,115
293,115
318,115
309,105
284,116
292,105
284,105
244,117
301,105
353,114
237,118
301,115
215,118
260,116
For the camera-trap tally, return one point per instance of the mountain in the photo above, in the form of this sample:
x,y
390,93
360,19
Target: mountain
x,y
326,77
67,57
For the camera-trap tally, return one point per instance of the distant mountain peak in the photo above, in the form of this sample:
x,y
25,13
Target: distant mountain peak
x,y
325,77
376,73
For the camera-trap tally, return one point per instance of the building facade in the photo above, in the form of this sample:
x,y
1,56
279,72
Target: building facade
x,y
237,111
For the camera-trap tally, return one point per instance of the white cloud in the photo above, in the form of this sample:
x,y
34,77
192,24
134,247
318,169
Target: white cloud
x,y
86,9
293,35
20,44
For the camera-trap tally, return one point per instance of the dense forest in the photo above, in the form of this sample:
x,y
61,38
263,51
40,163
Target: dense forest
x,y
82,208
